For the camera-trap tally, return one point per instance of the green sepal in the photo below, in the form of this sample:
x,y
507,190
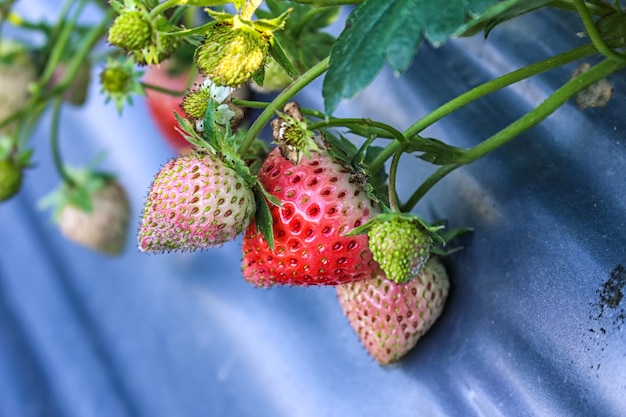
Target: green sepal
x,y
279,54
189,133
85,183
448,236
210,130
271,25
431,229
204,3
435,151
259,76
219,16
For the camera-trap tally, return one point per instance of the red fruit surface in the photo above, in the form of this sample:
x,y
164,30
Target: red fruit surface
x,y
320,204
390,318
162,106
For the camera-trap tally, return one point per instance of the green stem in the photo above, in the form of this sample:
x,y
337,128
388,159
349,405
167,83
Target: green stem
x,y
347,122
54,143
322,3
164,90
161,7
481,91
427,185
393,171
60,46
532,118
250,103
595,9
279,102
594,33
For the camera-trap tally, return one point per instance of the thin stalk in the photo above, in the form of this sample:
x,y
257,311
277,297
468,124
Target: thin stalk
x,y
481,91
161,7
532,118
594,33
164,90
322,3
60,46
279,102
393,171
263,104
54,143
347,122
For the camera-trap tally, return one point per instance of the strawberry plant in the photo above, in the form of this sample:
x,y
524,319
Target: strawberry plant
x,y
322,207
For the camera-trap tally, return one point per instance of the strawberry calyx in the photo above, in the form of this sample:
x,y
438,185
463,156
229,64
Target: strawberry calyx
x,y
119,81
292,136
84,184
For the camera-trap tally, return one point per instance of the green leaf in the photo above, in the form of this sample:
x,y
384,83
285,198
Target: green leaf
x,y
279,54
359,53
392,31
263,217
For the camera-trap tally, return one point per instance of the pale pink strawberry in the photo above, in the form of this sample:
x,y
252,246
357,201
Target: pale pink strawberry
x,y
390,318
195,202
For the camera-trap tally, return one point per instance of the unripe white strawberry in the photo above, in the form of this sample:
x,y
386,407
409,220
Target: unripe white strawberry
x,y
390,318
195,202
17,72
104,227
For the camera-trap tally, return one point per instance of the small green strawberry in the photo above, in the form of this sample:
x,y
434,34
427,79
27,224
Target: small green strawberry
x,y
131,30
400,243
231,54
196,102
162,46
235,48
12,165
195,202
10,179
93,211
390,318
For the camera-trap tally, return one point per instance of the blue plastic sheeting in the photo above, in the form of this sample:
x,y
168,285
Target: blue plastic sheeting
x,y
533,324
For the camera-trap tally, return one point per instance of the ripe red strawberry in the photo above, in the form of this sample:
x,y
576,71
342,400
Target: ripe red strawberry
x,y
390,318
104,228
195,202
321,202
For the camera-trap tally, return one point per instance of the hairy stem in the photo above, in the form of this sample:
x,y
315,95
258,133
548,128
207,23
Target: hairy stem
x,y
594,33
532,118
481,91
54,143
278,103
